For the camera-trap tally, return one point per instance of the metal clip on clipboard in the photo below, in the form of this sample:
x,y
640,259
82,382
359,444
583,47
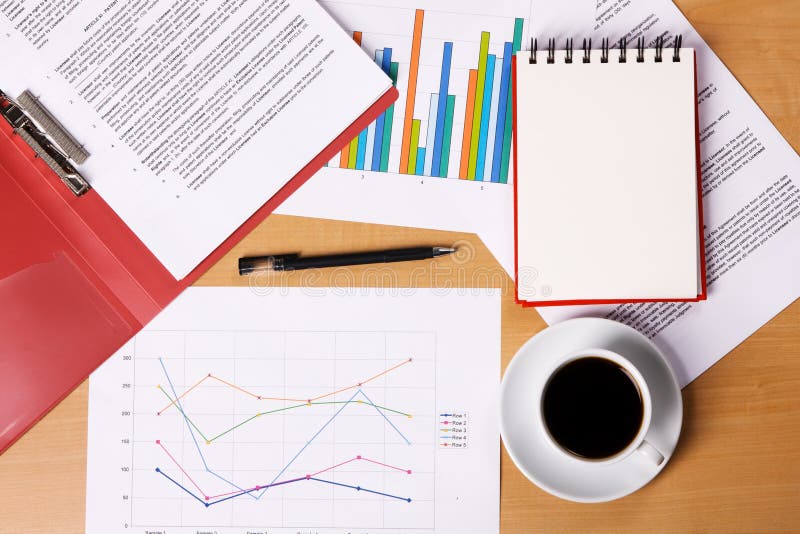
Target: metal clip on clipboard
x,y
47,137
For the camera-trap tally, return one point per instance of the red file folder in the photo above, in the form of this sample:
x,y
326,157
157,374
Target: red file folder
x,y
76,283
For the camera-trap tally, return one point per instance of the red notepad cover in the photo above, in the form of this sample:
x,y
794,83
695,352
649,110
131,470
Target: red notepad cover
x,y
703,295
76,283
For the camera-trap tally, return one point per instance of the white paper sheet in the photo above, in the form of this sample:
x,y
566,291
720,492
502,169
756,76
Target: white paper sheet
x,y
751,196
401,433
194,113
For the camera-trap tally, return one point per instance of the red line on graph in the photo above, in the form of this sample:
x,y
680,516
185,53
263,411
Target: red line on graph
x,y
158,442
333,467
385,465
256,488
289,399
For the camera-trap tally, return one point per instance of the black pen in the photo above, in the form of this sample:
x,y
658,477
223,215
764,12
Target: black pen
x,y
293,262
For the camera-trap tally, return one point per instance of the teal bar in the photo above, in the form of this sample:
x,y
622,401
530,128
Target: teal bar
x,y
447,137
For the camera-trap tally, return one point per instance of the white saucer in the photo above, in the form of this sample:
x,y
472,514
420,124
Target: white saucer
x,y
523,435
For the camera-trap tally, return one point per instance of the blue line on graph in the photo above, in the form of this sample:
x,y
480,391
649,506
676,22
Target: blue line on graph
x,y
259,487
312,439
359,488
180,485
384,416
207,504
273,483
191,432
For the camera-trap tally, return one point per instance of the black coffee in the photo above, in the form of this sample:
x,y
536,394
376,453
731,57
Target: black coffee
x,y
592,408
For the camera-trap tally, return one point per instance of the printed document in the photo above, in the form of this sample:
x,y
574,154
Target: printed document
x,y
195,112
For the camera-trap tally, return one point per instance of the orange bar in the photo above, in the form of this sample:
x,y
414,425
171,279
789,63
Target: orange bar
x,y
465,143
416,46
344,159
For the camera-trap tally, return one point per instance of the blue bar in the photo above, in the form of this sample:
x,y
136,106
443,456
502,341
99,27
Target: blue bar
x,y
433,116
362,150
487,102
444,87
501,114
386,65
420,161
370,145
487,171
377,151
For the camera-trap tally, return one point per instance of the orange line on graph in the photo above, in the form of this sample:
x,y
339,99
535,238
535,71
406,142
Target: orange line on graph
x,y
288,399
185,392
465,143
358,385
411,96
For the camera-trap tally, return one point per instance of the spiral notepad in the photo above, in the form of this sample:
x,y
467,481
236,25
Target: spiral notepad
x,y
606,185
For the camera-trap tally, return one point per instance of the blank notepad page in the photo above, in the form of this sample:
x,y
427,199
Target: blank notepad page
x,y
607,178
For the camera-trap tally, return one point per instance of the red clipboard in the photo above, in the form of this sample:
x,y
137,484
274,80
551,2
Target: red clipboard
x,y
701,295
76,283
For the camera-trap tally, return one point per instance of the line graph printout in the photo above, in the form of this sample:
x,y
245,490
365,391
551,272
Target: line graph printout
x,y
301,411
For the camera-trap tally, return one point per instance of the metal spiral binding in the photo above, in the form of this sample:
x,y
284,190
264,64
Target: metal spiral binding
x,y
605,47
640,50
676,56
659,48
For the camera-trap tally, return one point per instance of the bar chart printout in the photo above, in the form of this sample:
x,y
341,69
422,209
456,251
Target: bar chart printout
x,y
454,119
223,416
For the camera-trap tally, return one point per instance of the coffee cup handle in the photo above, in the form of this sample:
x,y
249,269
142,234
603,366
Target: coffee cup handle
x,y
651,453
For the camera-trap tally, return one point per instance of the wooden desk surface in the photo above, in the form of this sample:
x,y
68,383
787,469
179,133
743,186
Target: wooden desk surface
x,y
737,468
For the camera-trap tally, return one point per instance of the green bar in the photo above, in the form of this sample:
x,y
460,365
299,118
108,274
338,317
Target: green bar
x,y
504,163
387,124
414,144
448,136
476,115
353,154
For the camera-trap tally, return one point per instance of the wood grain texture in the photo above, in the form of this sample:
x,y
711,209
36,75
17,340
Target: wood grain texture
x,y
737,468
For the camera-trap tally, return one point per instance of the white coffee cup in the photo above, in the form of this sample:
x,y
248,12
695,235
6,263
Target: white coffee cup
x,y
639,444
